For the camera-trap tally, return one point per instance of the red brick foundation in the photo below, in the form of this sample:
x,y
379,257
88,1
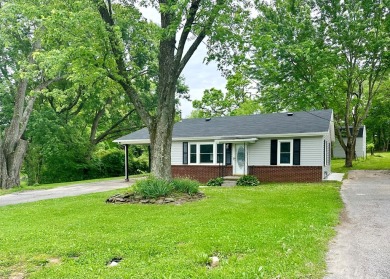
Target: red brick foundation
x,y
201,173
286,173
263,173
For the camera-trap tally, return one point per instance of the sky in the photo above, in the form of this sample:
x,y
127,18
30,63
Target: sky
x,y
198,76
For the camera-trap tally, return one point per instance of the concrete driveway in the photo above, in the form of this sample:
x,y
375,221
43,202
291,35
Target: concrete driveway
x,y
65,191
361,248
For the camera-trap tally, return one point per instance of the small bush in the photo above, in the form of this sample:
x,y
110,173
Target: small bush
x,y
152,187
248,180
215,181
185,185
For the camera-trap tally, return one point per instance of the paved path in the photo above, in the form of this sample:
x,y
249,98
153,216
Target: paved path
x,y
361,248
65,191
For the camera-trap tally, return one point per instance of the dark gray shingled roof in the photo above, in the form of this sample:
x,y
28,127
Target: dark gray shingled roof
x,y
248,125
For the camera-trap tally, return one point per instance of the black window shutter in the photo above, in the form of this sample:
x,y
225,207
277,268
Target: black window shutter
x,y
274,152
228,147
185,153
297,152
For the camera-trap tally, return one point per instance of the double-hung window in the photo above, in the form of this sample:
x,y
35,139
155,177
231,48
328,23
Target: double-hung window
x,y
193,155
206,154
203,153
285,152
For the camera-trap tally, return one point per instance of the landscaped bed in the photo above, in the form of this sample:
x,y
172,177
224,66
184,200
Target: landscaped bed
x,y
266,231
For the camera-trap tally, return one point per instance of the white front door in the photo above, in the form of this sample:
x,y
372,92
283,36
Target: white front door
x,y
239,159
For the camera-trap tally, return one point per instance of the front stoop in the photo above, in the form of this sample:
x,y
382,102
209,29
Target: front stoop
x,y
230,181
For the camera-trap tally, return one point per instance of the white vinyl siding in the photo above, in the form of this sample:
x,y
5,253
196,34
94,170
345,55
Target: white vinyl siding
x,y
338,151
259,153
361,148
177,153
312,151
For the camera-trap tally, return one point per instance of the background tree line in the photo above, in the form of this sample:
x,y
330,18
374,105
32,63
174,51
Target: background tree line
x,y
307,55
76,74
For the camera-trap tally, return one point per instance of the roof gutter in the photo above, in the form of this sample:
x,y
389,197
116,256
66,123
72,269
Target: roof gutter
x,y
236,140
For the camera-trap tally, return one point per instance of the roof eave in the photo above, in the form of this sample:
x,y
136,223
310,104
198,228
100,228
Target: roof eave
x,y
312,134
133,142
224,138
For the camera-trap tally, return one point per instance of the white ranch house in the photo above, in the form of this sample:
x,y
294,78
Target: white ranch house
x,y
279,147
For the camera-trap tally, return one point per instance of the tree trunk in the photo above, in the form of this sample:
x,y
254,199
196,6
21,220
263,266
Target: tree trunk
x,y
13,148
172,60
350,153
11,165
161,127
160,147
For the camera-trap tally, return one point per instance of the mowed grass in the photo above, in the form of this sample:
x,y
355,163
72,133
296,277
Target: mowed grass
x,y
269,231
378,161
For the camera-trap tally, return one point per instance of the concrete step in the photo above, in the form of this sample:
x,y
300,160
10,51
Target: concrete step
x,y
230,181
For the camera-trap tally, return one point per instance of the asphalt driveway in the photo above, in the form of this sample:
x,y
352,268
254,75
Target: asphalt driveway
x,y
361,248
65,191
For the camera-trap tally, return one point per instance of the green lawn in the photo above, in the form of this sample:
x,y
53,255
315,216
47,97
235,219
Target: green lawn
x,y
270,231
379,161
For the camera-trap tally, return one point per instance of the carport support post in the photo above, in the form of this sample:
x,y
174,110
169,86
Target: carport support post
x,y
126,162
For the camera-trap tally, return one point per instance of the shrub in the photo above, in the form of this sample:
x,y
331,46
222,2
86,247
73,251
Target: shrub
x,y
215,181
185,185
248,180
152,187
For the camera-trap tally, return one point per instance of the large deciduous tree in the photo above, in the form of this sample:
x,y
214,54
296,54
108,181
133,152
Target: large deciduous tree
x,y
21,79
41,43
313,54
179,22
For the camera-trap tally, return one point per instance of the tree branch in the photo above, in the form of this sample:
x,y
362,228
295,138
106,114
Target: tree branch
x,y
213,15
124,81
187,29
102,136
96,120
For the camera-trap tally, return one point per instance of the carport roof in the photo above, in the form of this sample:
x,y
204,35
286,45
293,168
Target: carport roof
x,y
259,125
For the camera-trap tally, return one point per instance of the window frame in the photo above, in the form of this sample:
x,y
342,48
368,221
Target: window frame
x,y
198,154
290,141
190,153
208,154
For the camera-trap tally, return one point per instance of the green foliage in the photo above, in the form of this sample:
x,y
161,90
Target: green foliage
x,y
185,185
153,187
294,60
238,100
370,146
248,180
215,181
61,151
378,120
288,241
379,161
